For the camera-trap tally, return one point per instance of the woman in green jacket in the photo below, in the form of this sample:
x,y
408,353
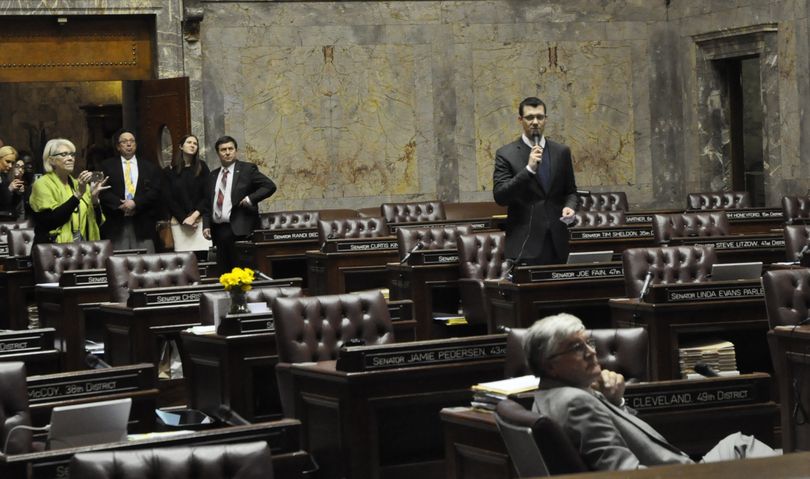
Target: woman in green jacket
x,y
65,209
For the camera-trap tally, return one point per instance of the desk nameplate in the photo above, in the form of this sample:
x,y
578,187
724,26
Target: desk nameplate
x,y
638,218
3,249
698,394
190,294
17,263
477,224
235,324
83,277
95,382
434,257
26,341
543,274
360,245
706,291
725,243
286,235
611,233
421,353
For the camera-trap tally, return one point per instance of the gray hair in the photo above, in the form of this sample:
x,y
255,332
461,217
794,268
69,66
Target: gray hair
x,y
50,149
543,338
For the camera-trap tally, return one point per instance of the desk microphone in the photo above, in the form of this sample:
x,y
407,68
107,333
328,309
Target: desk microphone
x,y
801,253
413,250
646,286
705,370
263,276
328,237
94,362
230,417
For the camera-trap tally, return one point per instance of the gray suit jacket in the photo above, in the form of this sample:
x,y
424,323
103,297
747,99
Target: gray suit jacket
x,y
608,437
531,210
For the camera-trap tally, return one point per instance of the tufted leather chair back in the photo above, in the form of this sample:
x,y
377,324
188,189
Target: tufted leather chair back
x,y
796,238
51,259
623,350
215,304
480,255
666,227
314,328
596,219
6,226
371,227
20,241
14,409
673,264
607,201
718,200
289,220
434,237
413,212
125,273
796,208
248,460
787,296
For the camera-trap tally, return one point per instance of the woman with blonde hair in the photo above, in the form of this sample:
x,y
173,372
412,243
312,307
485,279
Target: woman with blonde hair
x,y
10,188
65,209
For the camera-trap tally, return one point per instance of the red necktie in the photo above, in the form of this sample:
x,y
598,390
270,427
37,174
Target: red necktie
x,y
221,191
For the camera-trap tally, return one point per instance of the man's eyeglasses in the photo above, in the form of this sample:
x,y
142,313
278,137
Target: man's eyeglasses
x,y
126,142
535,117
65,154
581,347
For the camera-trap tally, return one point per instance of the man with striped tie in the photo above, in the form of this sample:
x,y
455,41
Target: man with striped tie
x,y
131,204
235,190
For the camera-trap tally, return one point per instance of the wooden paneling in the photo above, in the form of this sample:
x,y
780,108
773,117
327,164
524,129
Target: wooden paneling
x,y
79,49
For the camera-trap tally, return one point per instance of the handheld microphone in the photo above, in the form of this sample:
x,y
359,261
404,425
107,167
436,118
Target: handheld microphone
x,y
646,286
94,362
536,139
413,250
705,370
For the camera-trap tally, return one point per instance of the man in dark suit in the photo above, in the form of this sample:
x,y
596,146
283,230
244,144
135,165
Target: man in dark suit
x,y
131,204
534,179
587,402
232,212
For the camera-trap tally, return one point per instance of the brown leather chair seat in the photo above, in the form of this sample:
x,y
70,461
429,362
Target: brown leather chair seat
x,y
604,201
289,220
718,200
797,237
598,219
369,227
787,296
796,208
429,238
480,257
20,241
14,410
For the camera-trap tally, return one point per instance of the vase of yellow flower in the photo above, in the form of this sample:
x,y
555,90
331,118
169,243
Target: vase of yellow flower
x,y
237,283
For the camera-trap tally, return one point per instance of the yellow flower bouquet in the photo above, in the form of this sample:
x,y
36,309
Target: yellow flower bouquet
x,y
240,278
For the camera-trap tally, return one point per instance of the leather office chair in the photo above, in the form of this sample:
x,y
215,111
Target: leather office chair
x,y
214,305
250,460
718,200
480,257
797,237
668,264
20,241
606,201
289,220
796,208
369,227
430,238
51,259
597,219
537,445
311,329
787,296
623,350
666,227
421,211
6,226
125,273
14,409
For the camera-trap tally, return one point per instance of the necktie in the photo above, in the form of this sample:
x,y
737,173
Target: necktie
x,y
544,171
128,182
221,192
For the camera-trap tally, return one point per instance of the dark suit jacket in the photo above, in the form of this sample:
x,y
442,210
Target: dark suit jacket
x,y
247,181
147,198
531,211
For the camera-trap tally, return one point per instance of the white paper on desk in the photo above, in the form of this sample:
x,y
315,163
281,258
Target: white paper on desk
x,y
258,307
48,285
187,238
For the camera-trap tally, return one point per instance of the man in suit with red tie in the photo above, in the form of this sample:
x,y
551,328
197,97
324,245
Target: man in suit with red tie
x,y
235,190
534,179
131,204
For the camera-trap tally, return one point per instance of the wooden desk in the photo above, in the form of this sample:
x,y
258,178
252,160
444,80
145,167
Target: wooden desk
x,y
281,253
416,282
65,308
790,350
337,273
583,290
16,288
34,347
384,423
282,436
615,238
742,321
474,448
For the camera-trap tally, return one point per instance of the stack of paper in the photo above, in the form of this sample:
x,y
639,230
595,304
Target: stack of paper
x,y
719,355
487,395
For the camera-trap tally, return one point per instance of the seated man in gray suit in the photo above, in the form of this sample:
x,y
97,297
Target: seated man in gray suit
x,y
587,402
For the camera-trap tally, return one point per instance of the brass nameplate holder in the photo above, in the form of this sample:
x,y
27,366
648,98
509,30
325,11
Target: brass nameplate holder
x,y
577,272
611,233
83,277
360,245
26,341
724,243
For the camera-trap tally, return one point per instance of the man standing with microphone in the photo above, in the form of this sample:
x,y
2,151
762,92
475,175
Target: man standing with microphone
x,y
534,179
